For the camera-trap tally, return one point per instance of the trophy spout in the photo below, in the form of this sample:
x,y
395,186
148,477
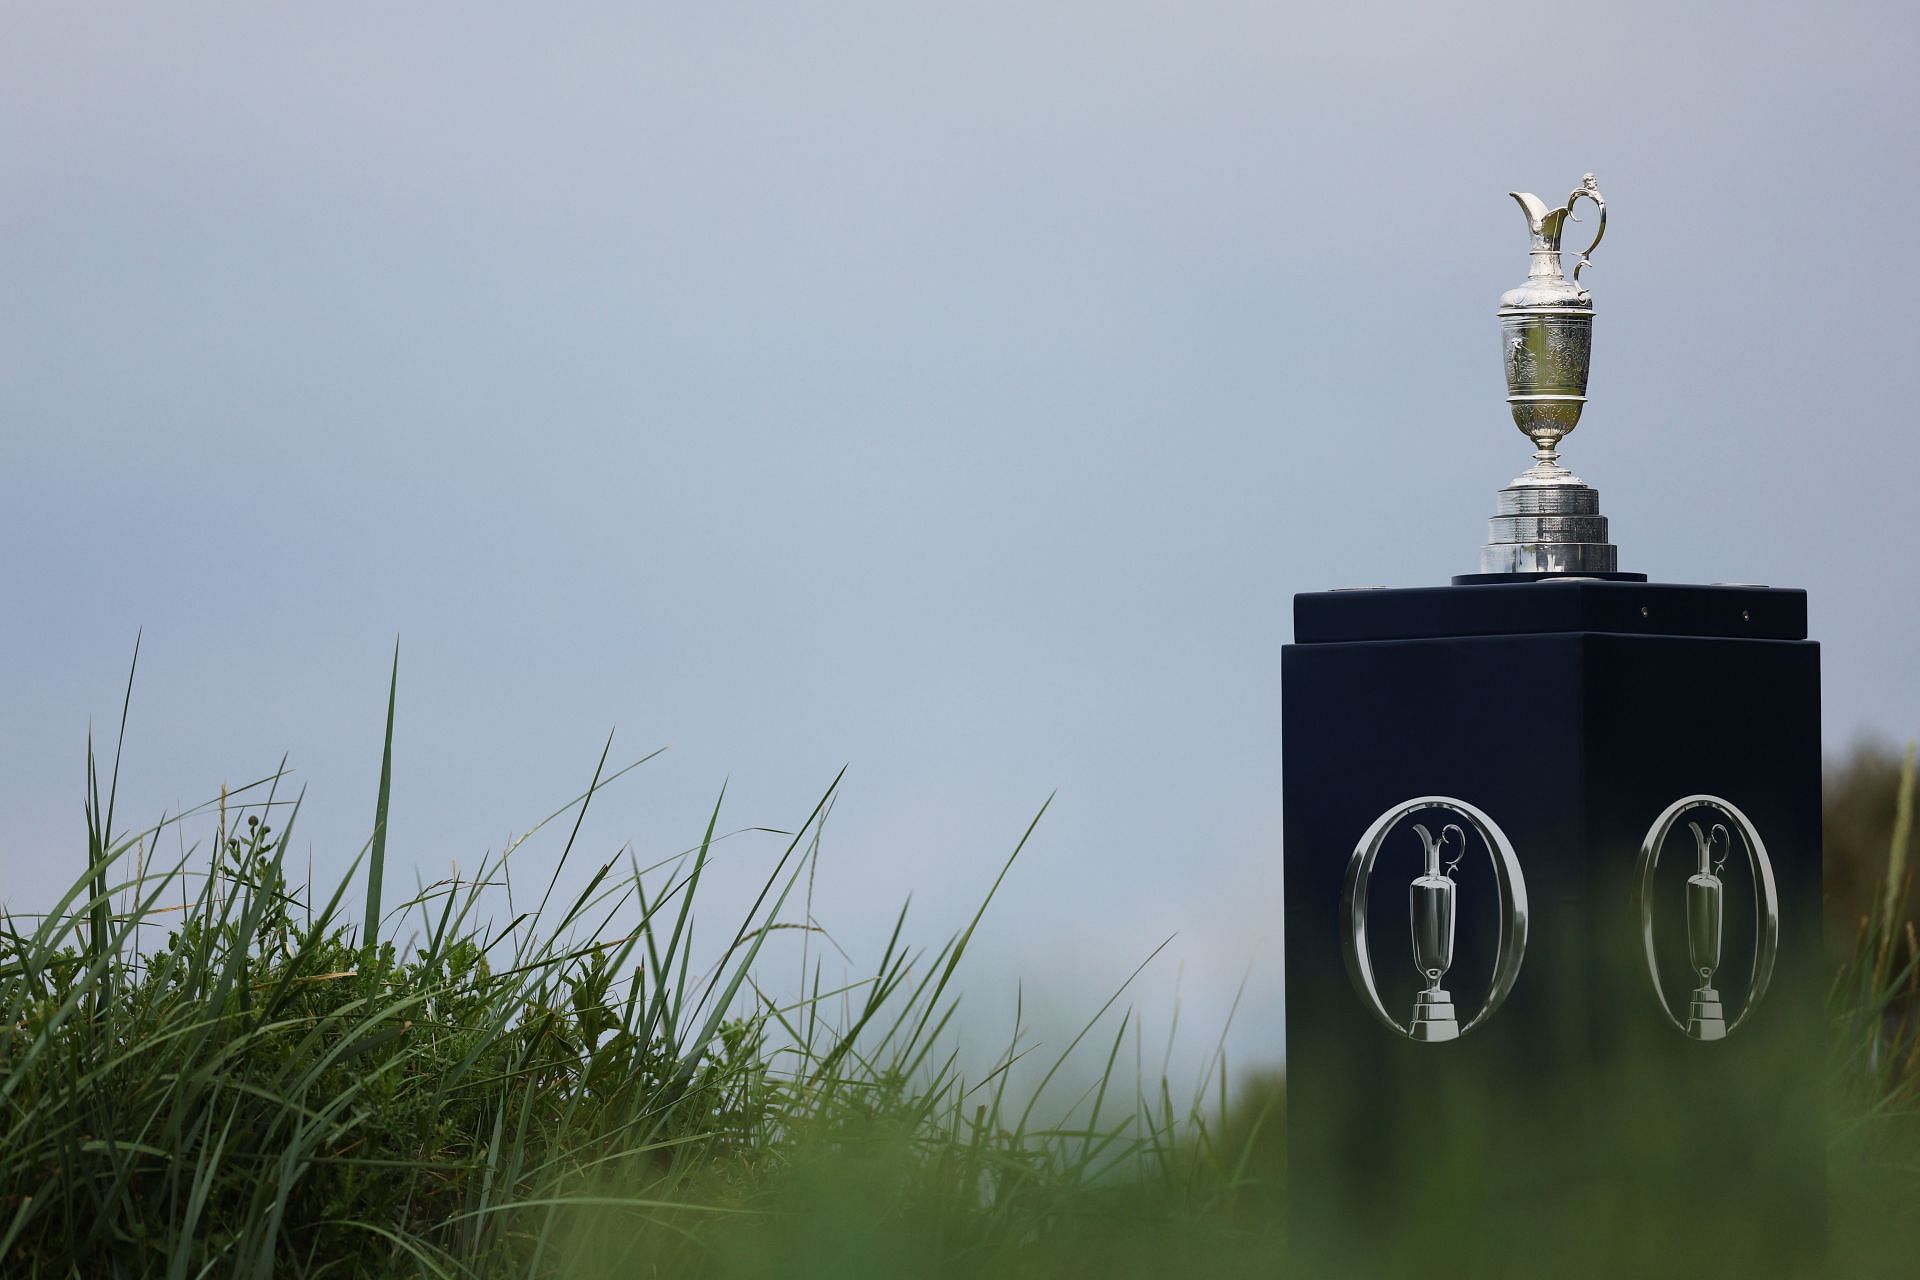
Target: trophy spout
x,y
1545,223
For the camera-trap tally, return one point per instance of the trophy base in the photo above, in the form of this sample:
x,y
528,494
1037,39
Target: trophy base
x,y
1433,1018
1705,1018
1548,522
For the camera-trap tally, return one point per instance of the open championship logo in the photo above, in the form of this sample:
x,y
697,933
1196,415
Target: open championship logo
x,y
1434,906
1714,824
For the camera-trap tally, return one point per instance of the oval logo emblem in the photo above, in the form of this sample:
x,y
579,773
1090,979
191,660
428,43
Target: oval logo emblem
x,y
1434,902
1708,913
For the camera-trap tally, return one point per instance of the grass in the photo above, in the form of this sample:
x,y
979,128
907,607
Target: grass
x,y
455,1090
273,1091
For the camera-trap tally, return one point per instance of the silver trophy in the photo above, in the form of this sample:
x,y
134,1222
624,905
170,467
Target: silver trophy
x,y
1430,907
1705,894
1547,520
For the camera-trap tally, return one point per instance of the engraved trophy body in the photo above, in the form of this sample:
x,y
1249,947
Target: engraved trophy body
x,y
1547,520
1706,1020
1430,902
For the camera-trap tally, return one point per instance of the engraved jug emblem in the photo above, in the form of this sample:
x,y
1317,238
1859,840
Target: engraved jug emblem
x,y
1430,909
1434,891
1706,1018
1706,898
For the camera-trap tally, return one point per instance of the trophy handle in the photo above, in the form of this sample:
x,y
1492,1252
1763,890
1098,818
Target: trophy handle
x,y
1453,829
1435,866
1591,190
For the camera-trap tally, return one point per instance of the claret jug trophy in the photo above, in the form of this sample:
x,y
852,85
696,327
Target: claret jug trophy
x,y
1547,520
1430,907
1705,894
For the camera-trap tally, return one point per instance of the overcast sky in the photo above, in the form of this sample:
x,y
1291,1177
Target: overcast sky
x,y
955,392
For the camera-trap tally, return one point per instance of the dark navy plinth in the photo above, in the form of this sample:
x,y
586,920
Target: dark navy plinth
x,y
1576,1125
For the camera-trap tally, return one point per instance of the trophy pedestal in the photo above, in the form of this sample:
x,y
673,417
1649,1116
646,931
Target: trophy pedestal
x,y
1706,1019
1548,521
1433,1017
1580,1118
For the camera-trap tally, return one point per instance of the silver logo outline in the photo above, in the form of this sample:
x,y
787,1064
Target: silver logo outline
x,y
1511,947
1766,903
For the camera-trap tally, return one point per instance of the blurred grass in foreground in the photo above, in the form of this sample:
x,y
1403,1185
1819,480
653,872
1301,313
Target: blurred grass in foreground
x,y
560,1091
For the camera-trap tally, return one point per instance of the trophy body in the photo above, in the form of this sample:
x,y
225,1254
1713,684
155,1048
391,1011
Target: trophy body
x,y
1548,352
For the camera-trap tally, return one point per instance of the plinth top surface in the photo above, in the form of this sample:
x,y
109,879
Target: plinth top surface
x,y
1551,605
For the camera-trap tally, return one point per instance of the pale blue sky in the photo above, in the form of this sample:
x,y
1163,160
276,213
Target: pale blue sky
x,y
956,392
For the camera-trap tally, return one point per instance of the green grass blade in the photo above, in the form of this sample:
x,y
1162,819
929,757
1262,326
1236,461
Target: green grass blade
x,y
377,862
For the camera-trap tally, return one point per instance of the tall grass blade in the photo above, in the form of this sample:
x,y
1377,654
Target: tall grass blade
x,y
377,862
